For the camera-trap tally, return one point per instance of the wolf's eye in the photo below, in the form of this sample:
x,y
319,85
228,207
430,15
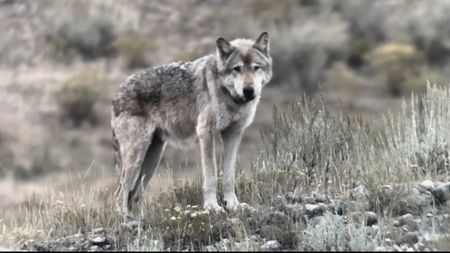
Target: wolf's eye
x,y
256,67
237,68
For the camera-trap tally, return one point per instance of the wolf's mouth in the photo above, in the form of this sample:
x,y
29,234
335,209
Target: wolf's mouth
x,y
241,100
237,99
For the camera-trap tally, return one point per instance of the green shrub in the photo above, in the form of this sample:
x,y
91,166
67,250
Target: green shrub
x,y
416,82
421,138
77,96
302,52
342,78
335,151
429,31
88,36
332,234
42,163
395,62
318,146
357,49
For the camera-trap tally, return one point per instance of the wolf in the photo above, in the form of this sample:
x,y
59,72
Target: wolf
x,y
181,102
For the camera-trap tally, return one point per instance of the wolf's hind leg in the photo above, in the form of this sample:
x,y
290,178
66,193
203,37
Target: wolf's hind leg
x,y
134,136
149,166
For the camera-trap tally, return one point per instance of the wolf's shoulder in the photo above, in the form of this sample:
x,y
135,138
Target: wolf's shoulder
x,y
179,70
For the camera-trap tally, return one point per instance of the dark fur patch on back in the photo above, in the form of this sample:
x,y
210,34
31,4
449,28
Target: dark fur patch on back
x,y
146,94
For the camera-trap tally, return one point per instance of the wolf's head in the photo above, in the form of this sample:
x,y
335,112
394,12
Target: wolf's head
x,y
245,66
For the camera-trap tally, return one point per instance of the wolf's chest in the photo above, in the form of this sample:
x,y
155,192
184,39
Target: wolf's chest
x,y
243,116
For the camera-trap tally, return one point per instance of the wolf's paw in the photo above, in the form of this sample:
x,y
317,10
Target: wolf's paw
x,y
213,206
233,204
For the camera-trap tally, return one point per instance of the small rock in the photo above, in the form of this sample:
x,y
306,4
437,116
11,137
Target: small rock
x,y
41,246
407,222
388,241
320,197
408,199
94,248
374,228
410,238
271,245
372,218
441,192
309,200
97,239
427,184
369,218
313,210
404,219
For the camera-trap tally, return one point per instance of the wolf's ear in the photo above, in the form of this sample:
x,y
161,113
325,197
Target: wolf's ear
x,y
262,43
224,48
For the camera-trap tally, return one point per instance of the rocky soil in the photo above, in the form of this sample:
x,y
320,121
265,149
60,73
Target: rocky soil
x,y
405,217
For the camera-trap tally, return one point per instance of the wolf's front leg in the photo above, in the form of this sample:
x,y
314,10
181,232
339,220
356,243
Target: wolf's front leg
x,y
206,138
231,138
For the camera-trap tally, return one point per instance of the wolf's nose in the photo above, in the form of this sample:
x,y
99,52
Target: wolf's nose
x,y
248,92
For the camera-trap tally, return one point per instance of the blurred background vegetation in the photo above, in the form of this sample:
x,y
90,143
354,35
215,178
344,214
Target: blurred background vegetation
x,y
60,62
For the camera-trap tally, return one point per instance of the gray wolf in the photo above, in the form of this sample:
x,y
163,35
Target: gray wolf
x,y
214,95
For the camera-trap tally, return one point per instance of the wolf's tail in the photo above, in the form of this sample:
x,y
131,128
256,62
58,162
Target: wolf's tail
x,y
117,156
118,165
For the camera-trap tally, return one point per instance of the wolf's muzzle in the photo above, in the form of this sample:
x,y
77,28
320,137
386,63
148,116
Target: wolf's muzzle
x,y
249,93
238,99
